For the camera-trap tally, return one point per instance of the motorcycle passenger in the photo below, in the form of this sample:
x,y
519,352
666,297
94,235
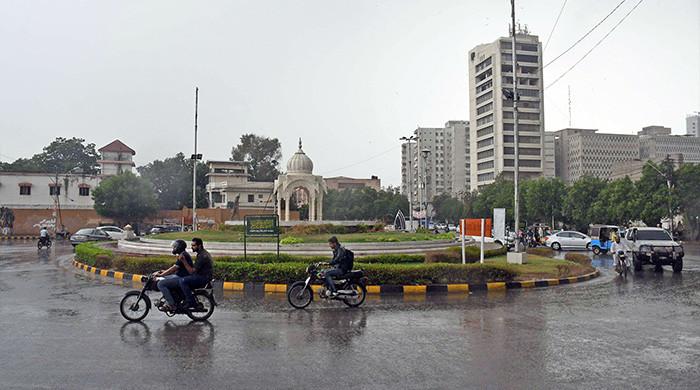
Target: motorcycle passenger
x,y
340,262
43,235
171,276
201,273
616,249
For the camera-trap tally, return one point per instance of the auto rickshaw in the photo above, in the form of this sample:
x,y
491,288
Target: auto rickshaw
x,y
601,237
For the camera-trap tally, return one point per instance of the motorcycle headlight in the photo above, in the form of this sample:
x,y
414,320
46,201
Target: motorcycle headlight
x,y
645,248
678,249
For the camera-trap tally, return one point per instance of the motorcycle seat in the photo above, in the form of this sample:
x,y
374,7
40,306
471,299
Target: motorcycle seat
x,y
353,274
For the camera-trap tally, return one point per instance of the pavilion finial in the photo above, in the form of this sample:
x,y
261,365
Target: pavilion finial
x,y
299,143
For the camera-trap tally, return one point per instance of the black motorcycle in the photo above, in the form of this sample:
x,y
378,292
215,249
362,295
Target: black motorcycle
x,y
350,287
136,304
44,242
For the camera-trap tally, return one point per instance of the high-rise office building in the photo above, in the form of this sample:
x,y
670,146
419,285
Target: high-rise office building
x,y
692,124
491,109
656,143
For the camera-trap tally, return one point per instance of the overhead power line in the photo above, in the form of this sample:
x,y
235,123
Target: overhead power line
x,y
561,10
585,35
596,45
363,161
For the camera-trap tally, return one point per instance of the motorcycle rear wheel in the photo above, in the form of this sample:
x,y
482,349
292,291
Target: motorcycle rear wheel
x,y
133,308
358,299
208,304
298,296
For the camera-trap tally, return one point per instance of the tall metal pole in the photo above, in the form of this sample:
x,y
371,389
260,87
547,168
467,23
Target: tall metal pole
x,y
516,163
410,183
194,163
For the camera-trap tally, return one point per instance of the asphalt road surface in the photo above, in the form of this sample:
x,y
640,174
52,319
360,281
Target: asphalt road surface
x,y
61,328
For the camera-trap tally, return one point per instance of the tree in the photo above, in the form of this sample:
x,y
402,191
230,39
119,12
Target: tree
x,y
262,155
448,208
688,184
126,198
652,192
364,204
60,156
543,199
498,194
616,204
578,202
172,182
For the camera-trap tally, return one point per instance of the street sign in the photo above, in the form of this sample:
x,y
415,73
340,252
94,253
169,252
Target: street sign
x,y
197,156
261,225
472,227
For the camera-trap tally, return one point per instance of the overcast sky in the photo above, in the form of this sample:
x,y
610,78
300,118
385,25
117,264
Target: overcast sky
x,y
349,77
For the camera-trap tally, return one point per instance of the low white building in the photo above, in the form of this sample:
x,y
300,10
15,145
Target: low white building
x,y
43,190
229,187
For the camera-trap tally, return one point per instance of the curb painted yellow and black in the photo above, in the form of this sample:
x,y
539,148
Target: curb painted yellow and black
x,y
19,237
382,289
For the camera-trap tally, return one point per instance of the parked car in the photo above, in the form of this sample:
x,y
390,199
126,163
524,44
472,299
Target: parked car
x,y
601,236
88,234
164,229
651,245
568,239
114,232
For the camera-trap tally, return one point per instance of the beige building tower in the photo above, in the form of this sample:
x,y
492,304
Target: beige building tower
x,y
491,110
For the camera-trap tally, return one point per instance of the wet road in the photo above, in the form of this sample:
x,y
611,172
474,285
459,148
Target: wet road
x,y
62,329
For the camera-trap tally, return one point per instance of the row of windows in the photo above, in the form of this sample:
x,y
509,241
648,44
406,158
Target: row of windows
x,y
521,57
486,176
484,143
483,65
484,97
508,45
530,116
521,127
484,154
522,151
484,86
523,139
484,108
485,131
523,163
484,120
53,190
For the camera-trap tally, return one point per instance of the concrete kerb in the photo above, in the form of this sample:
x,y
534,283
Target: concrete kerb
x,y
381,289
19,237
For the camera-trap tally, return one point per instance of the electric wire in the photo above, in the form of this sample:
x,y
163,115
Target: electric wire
x,y
561,10
596,45
363,161
584,35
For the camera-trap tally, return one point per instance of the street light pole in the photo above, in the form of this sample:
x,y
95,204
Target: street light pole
x,y
194,162
516,162
410,177
425,153
670,200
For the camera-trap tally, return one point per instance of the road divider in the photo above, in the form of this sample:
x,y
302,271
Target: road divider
x,y
381,289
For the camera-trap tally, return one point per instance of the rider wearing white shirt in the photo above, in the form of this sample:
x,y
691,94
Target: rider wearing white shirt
x,y
615,247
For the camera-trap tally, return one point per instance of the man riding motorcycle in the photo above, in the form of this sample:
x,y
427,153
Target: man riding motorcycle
x,y
200,274
44,235
171,276
341,262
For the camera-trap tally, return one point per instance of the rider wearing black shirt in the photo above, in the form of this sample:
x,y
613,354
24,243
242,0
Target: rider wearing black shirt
x,y
201,273
172,276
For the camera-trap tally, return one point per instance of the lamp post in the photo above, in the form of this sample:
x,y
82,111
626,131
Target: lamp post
x,y
670,200
195,157
516,157
425,153
410,177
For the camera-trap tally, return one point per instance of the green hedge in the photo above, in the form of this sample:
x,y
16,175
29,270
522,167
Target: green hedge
x,y
88,253
578,258
453,254
544,252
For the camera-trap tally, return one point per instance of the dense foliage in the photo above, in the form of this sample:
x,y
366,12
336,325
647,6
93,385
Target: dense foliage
x,y
63,155
172,182
261,154
126,198
364,204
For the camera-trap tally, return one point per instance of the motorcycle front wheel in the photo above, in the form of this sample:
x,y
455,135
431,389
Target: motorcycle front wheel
x,y
208,307
360,295
298,296
134,308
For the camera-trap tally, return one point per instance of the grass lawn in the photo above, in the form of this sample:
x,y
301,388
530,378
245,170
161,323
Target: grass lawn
x,y
228,236
539,267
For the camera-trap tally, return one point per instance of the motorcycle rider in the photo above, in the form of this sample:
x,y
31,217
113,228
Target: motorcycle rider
x,y
616,249
171,276
340,262
200,274
43,235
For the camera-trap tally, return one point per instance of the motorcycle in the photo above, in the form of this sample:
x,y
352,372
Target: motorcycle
x,y
624,265
44,242
136,304
350,287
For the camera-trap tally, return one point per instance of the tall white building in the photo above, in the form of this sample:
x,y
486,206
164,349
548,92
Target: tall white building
x,y
656,143
491,112
692,124
440,159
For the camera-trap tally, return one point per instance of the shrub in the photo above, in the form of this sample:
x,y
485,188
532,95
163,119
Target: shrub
x,y
291,240
231,228
578,258
88,253
544,252
362,228
378,227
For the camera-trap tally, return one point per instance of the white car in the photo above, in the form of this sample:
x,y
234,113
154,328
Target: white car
x,y
114,232
568,239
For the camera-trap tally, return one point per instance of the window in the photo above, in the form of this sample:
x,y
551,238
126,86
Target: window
x,y
54,190
484,97
260,196
484,120
84,191
485,63
484,108
251,198
486,130
484,143
25,190
485,154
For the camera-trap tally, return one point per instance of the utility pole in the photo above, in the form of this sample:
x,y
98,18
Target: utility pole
x,y
195,158
425,153
516,162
